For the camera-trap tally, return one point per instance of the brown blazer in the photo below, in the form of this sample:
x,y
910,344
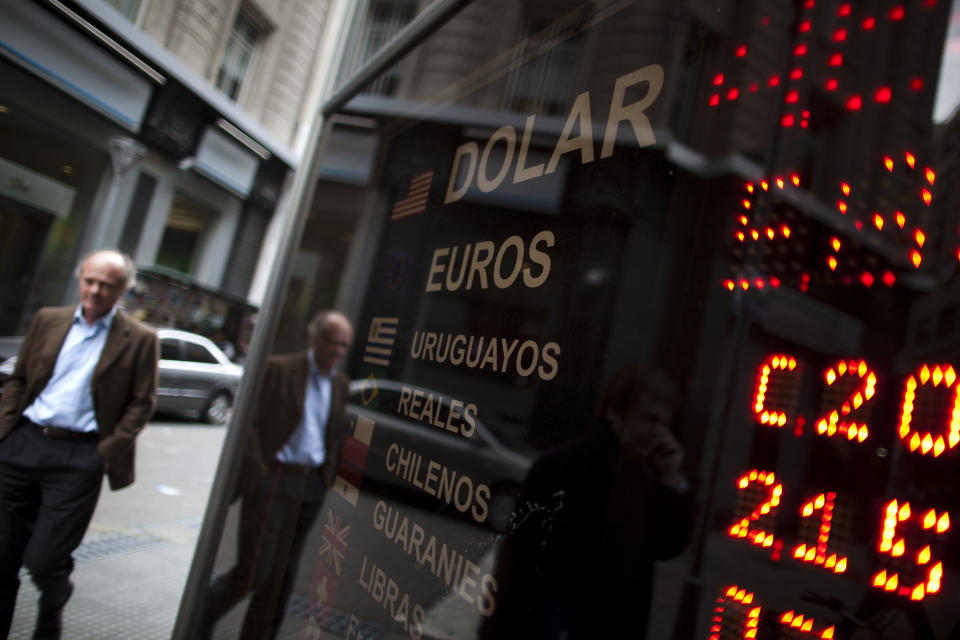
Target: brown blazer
x,y
124,383
279,411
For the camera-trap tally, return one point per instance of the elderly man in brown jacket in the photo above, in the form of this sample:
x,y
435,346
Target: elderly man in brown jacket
x,y
83,387
291,459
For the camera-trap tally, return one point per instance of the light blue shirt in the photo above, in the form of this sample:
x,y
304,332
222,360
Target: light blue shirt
x,y
67,401
306,445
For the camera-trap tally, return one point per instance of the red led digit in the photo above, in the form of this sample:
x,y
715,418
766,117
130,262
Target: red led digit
x,y
743,528
816,553
751,619
805,626
924,441
774,367
839,420
744,620
892,544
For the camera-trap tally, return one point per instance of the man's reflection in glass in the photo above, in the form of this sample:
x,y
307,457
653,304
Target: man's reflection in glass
x,y
594,516
290,461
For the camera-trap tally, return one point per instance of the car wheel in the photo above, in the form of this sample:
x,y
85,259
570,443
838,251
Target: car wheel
x,y
217,409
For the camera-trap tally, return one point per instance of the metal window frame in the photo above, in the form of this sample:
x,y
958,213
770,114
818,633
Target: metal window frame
x,y
424,24
430,20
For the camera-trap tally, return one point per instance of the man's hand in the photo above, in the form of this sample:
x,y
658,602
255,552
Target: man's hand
x,y
106,466
663,456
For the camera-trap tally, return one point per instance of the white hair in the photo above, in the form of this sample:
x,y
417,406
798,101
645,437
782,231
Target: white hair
x,y
129,269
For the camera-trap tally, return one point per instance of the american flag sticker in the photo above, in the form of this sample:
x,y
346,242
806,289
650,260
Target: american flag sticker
x,y
383,331
416,200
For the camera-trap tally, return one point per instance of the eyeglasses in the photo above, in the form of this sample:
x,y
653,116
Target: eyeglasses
x,y
337,343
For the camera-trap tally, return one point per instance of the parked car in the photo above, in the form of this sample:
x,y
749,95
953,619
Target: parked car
x,y
195,377
481,456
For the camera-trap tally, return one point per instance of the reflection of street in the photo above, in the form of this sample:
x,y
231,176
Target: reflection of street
x,y
449,612
446,612
133,562
397,559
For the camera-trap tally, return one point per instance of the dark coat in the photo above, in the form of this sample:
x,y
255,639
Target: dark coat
x,y
579,557
279,411
124,383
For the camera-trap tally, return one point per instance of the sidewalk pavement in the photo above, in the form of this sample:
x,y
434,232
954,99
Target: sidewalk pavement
x,y
133,563
128,584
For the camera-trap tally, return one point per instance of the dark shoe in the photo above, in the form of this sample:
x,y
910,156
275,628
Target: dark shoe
x,y
50,615
53,598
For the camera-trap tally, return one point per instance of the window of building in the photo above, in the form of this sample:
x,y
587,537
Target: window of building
x,y
183,234
544,83
239,55
386,20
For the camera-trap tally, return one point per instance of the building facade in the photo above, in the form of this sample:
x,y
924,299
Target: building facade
x,y
167,129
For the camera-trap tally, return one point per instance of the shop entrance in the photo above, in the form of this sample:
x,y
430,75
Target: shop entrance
x,y
23,234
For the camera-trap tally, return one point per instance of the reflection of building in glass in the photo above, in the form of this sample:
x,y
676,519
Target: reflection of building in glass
x,y
773,94
933,328
947,154
384,21
849,106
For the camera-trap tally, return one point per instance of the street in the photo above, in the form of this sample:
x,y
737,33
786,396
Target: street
x,y
133,563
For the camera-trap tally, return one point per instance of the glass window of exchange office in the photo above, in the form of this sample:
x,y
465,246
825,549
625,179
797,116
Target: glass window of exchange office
x,y
654,335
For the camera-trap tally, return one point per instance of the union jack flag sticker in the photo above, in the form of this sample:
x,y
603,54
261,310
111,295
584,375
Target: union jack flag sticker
x,y
334,544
